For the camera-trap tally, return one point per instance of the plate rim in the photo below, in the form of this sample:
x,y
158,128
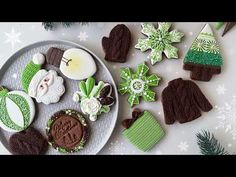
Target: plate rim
x,y
22,50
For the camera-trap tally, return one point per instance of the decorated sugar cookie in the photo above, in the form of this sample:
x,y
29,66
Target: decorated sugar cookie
x,y
138,84
67,131
45,86
203,58
143,130
17,110
94,99
159,41
74,63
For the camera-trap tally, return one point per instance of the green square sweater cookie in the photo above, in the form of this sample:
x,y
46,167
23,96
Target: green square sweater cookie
x,y
143,130
203,58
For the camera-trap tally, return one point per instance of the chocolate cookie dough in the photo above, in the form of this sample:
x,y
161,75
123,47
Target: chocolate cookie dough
x,y
117,45
28,142
67,131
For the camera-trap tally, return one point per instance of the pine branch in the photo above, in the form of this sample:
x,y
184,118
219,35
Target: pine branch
x,y
209,145
49,26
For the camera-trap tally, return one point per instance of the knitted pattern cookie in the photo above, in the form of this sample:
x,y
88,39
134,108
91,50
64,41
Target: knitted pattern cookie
x,y
28,142
143,130
138,84
182,101
45,86
17,110
94,99
117,45
203,59
159,41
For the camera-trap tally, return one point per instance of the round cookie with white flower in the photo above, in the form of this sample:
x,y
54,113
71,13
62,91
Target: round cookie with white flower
x,y
94,99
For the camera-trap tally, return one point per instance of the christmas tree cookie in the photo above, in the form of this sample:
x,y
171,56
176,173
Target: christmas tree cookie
x,y
94,99
138,84
45,86
203,58
143,130
17,110
159,41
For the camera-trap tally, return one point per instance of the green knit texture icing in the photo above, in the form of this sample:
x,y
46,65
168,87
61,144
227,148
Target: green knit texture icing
x,y
21,102
145,132
30,70
204,58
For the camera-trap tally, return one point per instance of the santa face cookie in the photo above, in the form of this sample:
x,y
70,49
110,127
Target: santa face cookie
x,y
76,64
17,110
45,86
94,99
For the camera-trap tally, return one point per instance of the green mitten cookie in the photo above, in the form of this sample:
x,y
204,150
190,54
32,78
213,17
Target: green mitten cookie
x,y
143,131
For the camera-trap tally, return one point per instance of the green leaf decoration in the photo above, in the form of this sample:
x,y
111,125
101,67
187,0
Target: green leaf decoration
x,y
90,82
104,109
159,41
125,73
82,87
96,89
153,80
209,145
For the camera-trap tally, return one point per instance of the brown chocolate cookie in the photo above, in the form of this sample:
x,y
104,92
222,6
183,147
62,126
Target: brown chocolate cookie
x,y
183,101
117,45
54,56
67,131
28,142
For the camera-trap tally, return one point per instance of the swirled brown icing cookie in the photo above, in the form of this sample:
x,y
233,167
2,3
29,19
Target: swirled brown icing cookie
x,y
67,131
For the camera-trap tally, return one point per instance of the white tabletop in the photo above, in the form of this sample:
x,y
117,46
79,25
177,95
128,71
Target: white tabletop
x,y
180,138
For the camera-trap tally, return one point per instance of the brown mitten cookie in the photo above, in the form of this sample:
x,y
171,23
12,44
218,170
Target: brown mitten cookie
x,y
182,101
117,45
28,142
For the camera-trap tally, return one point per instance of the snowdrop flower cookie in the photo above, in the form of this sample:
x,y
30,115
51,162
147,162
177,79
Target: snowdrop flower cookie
x,y
17,110
94,99
45,86
74,63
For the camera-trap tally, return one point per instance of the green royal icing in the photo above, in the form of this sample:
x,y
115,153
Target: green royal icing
x,y
23,106
204,50
138,84
159,41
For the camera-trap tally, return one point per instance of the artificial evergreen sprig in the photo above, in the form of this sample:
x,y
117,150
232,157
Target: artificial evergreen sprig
x,y
209,145
52,25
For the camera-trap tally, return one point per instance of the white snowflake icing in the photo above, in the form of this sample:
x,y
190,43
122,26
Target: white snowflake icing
x,y
227,117
12,37
221,89
83,36
116,147
183,146
14,76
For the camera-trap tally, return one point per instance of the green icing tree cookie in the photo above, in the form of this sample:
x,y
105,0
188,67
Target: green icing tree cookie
x,y
203,58
159,41
138,84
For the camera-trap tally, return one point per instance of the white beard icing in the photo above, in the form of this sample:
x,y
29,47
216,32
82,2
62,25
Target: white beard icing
x,y
54,90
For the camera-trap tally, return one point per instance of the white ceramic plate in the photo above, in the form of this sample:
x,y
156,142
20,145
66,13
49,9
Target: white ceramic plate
x,y
10,77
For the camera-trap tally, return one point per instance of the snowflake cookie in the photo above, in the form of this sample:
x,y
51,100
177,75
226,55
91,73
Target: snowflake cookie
x,y
94,99
137,84
159,40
